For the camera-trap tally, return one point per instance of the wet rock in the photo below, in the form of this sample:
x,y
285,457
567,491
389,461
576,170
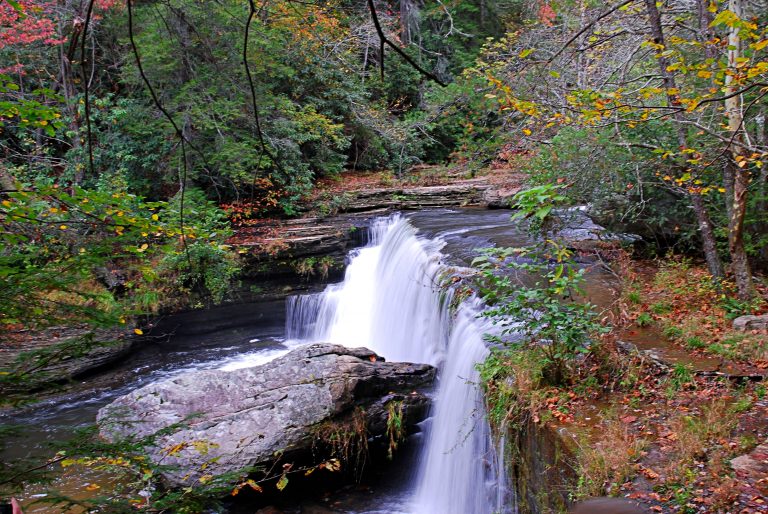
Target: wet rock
x,y
243,418
745,323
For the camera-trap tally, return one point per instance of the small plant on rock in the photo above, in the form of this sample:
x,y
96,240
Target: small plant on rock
x,y
543,315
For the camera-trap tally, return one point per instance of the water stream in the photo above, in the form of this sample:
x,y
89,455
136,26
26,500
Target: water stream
x,y
391,301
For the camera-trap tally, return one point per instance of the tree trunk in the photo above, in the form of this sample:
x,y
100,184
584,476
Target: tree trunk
x,y
406,37
709,244
7,182
582,61
762,183
736,174
707,236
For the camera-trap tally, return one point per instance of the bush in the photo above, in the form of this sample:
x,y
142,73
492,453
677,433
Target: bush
x,y
543,315
206,269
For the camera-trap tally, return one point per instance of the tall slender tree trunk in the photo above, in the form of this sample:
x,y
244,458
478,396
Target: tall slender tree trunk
x,y
762,182
406,22
582,61
706,231
736,173
66,84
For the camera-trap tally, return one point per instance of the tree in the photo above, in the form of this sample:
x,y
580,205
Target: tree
x,y
651,69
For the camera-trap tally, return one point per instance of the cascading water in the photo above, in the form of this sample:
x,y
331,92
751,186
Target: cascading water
x,y
391,302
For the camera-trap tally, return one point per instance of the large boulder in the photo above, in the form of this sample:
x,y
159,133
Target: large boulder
x,y
238,419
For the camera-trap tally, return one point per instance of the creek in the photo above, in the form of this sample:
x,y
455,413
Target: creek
x,y
390,301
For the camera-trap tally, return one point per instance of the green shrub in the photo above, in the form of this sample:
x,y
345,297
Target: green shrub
x,y
543,315
643,319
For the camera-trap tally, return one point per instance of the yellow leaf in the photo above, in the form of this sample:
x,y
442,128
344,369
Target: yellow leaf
x,y
525,53
92,487
138,331
155,217
62,227
721,189
527,132
6,203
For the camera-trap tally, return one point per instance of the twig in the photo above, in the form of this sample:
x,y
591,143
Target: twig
x,y
383,40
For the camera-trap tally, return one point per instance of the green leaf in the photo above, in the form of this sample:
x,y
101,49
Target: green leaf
x,y
525,53
728,18
543,212
17,7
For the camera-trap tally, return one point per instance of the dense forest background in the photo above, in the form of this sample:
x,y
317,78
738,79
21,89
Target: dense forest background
x,y
132,133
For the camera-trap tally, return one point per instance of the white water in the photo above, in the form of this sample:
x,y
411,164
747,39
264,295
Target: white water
x,y
390,302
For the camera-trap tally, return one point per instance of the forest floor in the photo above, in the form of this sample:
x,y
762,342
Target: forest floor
x,y
671,409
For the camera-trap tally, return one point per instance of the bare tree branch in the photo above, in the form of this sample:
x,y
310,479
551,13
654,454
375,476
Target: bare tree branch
x,y
385,41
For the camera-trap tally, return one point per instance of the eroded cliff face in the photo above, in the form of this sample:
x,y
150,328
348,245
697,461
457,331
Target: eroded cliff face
x,y
540,466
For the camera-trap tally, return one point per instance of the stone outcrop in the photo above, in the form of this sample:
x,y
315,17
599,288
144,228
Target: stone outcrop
x,y
316,247
462,193
234,420
745,323
58,354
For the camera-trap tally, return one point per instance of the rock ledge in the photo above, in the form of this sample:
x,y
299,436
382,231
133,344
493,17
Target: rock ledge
x,y
238,419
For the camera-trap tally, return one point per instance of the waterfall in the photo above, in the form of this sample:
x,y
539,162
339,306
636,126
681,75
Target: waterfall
x,y
391,302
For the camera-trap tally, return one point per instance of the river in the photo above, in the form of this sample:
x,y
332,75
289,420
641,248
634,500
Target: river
x,y
390,301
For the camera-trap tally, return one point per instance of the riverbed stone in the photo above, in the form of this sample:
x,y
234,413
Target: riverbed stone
x,y
231,420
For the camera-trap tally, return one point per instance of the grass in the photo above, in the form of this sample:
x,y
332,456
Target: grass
x,y
673,332
606,462
634,297
644,320
345,439
661,308
698,437
692,312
